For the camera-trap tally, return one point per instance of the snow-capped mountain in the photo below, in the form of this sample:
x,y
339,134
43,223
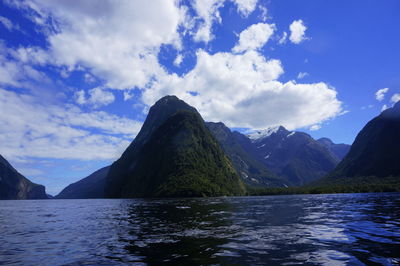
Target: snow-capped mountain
x,y
294,155
264,133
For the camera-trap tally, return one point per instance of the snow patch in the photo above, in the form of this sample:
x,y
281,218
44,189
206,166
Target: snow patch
x,y
261,134
260,146
291,134
266,157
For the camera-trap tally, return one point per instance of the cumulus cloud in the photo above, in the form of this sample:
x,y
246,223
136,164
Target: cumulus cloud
x,y
121,49
97,97
297,31
208,12
246,7
254,37
395,98
28,128
380,94
242,90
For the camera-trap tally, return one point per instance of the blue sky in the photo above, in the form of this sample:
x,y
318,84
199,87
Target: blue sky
x,y
76,80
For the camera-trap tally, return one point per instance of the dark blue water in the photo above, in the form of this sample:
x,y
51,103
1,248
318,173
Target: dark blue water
x,y
314,229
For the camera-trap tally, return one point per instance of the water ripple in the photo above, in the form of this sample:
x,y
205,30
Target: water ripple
x,y
345,229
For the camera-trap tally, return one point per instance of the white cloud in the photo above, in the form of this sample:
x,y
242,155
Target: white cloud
x,y
302,75
80,97
128,95
178,60
384,107
18,74
118,43
315,127
283,39
89,78
264,12
297,31
29,128
395,98
208,12
246,7
254,37
100,97
380,94
97,97
242,91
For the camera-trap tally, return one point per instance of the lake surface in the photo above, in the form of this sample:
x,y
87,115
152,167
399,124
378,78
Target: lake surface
x,y
338,229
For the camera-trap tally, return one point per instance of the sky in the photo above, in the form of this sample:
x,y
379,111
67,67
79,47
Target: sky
x,y
77,78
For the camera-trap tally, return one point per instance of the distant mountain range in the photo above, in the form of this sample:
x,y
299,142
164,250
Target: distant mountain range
x,y
13,185
177,154
175,143
173,155
296,156
241,152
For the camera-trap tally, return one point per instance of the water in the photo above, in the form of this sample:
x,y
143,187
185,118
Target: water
x,y
350,229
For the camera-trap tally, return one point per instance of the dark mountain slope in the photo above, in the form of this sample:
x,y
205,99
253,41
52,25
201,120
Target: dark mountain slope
x,y
158,114
376,149
239,149
339,150
174,155
13,185
90,187
295,156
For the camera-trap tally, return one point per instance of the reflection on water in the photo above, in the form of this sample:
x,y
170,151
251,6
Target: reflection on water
x,y
315,229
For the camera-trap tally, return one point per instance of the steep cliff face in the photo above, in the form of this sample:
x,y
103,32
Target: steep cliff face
x,y
173,155
90,187
376,149
13,185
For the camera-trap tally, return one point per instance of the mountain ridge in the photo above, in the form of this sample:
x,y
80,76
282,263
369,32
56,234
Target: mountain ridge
x,y
14,185
156,164
376,149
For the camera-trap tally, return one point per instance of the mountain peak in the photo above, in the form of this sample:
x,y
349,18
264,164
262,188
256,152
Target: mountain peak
x,y
167,98
325,141
264,133
174,154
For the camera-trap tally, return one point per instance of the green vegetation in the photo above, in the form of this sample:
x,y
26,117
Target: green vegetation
x,y
340,185
182,159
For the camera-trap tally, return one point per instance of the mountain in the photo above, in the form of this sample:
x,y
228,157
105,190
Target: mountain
x,y
376,149
173,155
158,114
90,187
13,185
240,150
339,150
295,156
